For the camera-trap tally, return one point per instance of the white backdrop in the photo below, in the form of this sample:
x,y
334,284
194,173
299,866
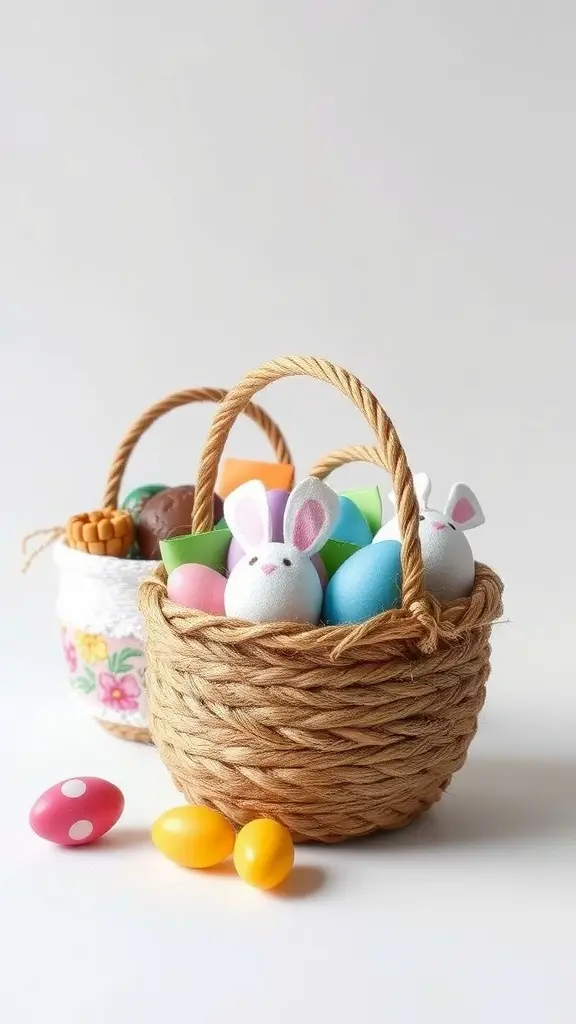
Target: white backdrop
x,y
186,190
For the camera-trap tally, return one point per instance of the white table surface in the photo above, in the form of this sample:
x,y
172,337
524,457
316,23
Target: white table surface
x,y
466,916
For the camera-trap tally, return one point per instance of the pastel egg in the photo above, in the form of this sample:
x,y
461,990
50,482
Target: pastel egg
x,y
351,526
320,569
449,566
277,500
193,837
197,586
77,811
264,853
366,584
276,503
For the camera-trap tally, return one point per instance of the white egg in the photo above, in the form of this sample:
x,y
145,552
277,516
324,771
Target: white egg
x,y
448,559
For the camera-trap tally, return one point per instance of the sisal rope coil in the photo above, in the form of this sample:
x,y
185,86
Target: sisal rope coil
x,y
335,731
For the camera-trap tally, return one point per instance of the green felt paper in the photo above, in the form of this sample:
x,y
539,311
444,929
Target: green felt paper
x,y
369,501
334,553
222,525
203,548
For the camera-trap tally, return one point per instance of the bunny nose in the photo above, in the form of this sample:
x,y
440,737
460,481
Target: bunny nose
x,y
268,568
439,526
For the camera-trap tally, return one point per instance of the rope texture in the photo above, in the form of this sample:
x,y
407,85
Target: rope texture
x,y
49,536
335,731
133,435
129,442
343,456
126,732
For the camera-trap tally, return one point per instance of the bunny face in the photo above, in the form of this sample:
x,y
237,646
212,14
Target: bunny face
x,y
447,555
277,582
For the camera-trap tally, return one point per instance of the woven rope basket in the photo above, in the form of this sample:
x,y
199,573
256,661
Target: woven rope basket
x,y
335,731
98,595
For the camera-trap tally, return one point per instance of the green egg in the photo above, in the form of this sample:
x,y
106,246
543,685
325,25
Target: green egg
x,y
135,501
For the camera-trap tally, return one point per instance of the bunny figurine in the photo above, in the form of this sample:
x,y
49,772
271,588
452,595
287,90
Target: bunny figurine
x,y
447,555
274,581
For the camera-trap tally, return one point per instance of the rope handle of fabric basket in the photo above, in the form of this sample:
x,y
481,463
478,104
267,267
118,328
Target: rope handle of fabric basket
x,y
46,537
344,456
389,447
174,401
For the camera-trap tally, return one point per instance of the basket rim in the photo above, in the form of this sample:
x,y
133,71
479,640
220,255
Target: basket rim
x,y
101,565
425,624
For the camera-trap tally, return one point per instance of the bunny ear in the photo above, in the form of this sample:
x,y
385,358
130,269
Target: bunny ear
x,y
422,486
247,515
463,508
312,512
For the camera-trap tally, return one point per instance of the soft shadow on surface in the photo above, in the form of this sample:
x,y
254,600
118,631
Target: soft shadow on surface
x,y
123,838
494,800
224,870
303,880
117,839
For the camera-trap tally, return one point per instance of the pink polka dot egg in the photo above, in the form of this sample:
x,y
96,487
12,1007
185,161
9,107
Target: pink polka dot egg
x,y
77,811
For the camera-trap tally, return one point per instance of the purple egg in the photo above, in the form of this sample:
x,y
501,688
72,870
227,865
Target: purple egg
x,y
277,500
320,569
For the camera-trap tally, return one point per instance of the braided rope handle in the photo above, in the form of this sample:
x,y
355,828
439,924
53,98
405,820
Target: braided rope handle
x,y
130,440
344,456
178,398
390,451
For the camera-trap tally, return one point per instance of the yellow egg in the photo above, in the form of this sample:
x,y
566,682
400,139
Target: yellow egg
x,y
194,837
264,853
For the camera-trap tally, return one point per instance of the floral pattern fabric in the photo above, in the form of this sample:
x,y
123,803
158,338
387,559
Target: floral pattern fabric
x,y
91,648
118,692
108,672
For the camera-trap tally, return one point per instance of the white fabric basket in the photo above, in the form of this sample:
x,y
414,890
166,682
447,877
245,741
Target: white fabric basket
x,y
102,633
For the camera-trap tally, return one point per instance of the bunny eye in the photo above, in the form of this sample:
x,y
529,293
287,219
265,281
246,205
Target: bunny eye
x,y
253,560
286,561
421,519
452,526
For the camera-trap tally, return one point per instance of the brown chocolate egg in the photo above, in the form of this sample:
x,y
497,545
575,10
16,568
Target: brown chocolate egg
x,y
168,514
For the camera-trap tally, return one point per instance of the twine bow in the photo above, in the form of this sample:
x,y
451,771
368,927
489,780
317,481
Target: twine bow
x,y
50,534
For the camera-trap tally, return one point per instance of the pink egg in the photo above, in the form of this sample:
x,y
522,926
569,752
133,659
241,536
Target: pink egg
x,y
77,811
197,586
277,500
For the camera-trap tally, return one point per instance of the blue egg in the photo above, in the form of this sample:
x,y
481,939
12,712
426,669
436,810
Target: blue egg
x,y
367,583
351,526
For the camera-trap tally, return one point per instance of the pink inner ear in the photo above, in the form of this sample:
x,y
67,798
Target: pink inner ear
x,y
249,524
308,522
463,511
